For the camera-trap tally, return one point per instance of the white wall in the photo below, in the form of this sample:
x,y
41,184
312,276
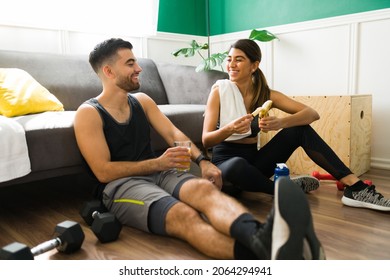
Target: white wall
x,y
335,56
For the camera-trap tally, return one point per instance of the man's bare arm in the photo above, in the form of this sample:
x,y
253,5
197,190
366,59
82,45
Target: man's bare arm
x,y
93,146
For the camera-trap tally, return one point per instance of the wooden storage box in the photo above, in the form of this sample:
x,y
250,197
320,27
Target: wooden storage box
x,y
345,124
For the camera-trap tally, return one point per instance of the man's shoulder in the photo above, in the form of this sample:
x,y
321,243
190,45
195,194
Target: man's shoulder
x,y
138,95
86,112
145,100
86,106
90,103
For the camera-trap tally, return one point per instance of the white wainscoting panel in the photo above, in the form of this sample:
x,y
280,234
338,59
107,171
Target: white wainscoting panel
x,y
374,77
312,62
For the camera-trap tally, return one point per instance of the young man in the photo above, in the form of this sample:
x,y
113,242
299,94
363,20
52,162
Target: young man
x,y
144,192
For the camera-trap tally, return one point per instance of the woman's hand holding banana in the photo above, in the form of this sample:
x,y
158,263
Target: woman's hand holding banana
x,y
263,110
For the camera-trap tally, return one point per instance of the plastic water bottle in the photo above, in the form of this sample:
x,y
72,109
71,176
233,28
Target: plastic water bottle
x,y
281,170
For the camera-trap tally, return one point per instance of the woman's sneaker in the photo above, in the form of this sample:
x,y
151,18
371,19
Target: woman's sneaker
x,y
306,183
366,198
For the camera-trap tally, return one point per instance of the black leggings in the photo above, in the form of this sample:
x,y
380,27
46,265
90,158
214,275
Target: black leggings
x,y
249,169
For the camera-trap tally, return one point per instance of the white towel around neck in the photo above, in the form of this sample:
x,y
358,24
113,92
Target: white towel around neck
x,y
231,106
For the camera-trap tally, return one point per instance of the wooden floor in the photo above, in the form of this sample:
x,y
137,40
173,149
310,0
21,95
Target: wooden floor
x,y
29,213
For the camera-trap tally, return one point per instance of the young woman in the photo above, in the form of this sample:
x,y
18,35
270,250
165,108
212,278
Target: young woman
x,y
231,130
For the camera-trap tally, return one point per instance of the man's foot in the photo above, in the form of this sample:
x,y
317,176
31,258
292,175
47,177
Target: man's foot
x,y
288,232
366,198
293,235
306,183
262,240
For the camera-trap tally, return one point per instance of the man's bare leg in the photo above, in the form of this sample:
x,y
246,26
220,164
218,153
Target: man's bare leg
x,y
220,209
185,223
224,212
227,219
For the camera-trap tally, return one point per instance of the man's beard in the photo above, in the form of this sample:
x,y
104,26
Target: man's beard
x,y
127,85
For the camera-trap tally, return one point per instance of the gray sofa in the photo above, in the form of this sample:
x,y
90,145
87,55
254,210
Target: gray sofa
x,y
179,91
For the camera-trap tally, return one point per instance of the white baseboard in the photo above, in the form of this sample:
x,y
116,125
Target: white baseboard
x,y
380,163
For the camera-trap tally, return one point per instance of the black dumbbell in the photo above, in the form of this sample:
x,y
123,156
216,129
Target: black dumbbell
x,y
104,225
69,238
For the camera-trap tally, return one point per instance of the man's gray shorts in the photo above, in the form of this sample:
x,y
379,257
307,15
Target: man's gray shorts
x,y
130,198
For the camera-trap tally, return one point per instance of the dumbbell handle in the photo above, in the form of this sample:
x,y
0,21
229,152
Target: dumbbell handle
x,y
95,213
46,246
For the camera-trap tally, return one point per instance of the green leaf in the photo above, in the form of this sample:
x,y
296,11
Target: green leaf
x,y
262,35
220,57
215,60
188,52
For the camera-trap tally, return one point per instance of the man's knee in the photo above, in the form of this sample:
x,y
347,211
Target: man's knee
x,y
183,212
202,195
202,187
180,219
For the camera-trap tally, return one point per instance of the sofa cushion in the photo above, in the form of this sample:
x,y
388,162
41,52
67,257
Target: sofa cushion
x,y
21,94
51,140
185,86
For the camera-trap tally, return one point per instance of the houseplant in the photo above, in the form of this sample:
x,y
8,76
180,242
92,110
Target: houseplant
x,y
212,61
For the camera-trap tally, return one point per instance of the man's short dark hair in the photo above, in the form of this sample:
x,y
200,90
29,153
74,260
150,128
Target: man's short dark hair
x,y
106,50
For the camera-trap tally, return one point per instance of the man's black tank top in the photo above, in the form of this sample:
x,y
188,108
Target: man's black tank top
x,y
128,141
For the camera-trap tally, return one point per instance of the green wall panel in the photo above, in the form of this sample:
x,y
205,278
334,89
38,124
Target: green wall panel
x,y
182,16
231,16
226,16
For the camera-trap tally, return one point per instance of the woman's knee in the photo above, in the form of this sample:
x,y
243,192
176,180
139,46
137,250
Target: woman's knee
x,y
234,168
297,131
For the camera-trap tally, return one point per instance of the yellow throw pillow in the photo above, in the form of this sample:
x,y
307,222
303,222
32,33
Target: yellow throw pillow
x,y
21,94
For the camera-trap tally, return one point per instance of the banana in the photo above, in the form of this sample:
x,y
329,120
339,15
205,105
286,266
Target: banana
x,y
263,110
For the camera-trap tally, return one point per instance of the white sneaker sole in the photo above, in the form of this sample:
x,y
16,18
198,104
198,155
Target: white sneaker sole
x,y
361,204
